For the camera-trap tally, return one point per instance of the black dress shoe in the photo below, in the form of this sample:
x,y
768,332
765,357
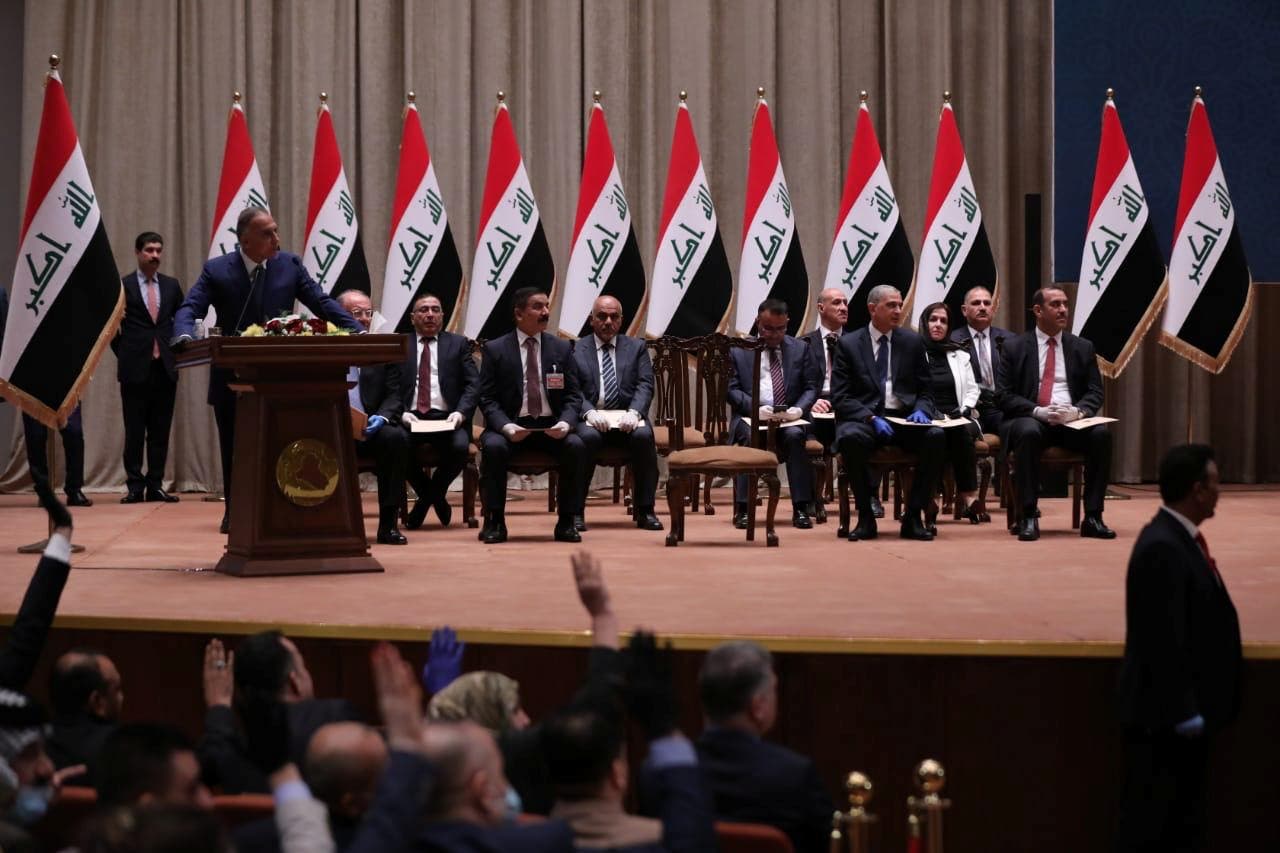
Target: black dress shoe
x,y
493,532
160,496
1093,528
132,498
800,519
225,527
580,523
391,536
567,533
75,497
866,528
1029,530
877,509
974,513
646,520
417,515
914,528
444,511
740,517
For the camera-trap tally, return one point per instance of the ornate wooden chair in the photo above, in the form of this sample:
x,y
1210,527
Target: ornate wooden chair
x,y
1052,457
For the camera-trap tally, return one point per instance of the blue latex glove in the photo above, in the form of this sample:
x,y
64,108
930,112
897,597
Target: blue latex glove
x,y
1193,727
919,417
375,423
444,660
883,428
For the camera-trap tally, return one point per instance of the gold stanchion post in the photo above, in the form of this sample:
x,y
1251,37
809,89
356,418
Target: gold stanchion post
x,y
856,822
927,808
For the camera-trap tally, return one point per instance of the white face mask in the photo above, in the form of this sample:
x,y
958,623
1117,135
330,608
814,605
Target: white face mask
x,y
31,804
512,806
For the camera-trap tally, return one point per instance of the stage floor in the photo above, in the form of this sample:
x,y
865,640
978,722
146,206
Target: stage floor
x,y
975,590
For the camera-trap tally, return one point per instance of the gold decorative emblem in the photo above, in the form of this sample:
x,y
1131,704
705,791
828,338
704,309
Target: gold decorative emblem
x,y
307,472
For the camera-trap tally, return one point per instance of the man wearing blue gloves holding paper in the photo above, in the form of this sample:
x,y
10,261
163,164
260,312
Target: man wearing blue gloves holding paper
x,y
880,372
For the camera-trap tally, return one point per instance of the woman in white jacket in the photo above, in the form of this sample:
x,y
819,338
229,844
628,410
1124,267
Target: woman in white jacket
x,y
955,393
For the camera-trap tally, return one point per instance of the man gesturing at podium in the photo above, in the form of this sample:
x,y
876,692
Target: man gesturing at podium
x,y
246,286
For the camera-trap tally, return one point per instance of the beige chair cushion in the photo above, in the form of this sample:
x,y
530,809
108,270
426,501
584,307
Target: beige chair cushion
x,y
813,447
722,457
692,438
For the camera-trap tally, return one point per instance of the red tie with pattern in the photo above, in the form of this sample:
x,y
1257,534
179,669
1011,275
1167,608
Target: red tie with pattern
x,y
1213,564
532,383
1050,367
153,306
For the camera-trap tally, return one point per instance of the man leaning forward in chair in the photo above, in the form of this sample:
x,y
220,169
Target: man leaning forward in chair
x,y
616,374
881,371
529,396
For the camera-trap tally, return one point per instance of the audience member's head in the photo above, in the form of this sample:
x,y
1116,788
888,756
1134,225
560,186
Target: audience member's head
x,y
342,766
1052,309
977,307
144,764
155,829
532,308
268,666
26,773
1189,481
488,698
471,785
427,315
84,681
739,688
833,309
357,304
584,748
885,304
771,322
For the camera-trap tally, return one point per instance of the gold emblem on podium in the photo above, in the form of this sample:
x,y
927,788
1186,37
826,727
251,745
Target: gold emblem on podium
x,y
307,472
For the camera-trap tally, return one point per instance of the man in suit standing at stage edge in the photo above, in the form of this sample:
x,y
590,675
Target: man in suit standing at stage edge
x,y
985,343
1179,685
254,282
616,373
1047,379
147,370
529,396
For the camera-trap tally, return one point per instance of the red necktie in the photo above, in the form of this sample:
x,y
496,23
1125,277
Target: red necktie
x,y
1213,564
532,382
1050,366
424,377
153,306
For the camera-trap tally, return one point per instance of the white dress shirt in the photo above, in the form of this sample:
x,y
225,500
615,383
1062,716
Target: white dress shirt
x,y
437,399
890,399
250,265
1061,393
1192,530
521,337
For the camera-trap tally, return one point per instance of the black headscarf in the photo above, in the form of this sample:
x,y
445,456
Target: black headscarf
x,y
937,349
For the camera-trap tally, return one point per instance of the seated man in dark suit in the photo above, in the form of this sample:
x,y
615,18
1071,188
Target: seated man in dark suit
x,y
529,395
882,370
752,780
87,696
615,372
1047,379
376,393
440,382
789,380
985,343
833,313
152,764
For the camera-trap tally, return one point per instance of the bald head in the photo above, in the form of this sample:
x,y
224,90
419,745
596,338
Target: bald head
x,y
342,766
472,786
86,681
606,317
833,309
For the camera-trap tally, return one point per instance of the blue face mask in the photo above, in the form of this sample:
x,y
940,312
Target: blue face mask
x,y
30,804
513,805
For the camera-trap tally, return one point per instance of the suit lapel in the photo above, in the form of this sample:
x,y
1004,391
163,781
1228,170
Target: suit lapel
x,y
868,355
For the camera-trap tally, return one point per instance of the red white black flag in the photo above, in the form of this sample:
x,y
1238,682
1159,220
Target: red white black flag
x,y
332,253
692,285
870,245
422,257
511,249
1122,273
772,265
605,257
239,186
67,296
1210,288
955,254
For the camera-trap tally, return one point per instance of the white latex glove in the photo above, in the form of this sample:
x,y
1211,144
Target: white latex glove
x,y
455,419
766,414
515,432
597,420
559,431
409,419
1042,414
1059,415
792,414
821,406
629,421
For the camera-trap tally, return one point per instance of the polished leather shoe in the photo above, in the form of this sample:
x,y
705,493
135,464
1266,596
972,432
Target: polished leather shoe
x,y
75,497
391,536
740,518
160,496
647,521
567,533
914,528
493,532
417,515
1093,528
1029,530
877,509
225,527
800,519
444,511
579,523
132,498
866,528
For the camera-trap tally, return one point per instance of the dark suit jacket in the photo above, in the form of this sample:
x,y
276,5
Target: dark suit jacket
x,y
380,392
856,392
801,376
1018,375
755,781
996,338
77,740
459,376
502,381
31,626
632,364
817,342
4,312
1182,637
139,333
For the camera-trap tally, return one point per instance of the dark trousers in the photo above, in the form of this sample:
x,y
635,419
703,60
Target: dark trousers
x,y
1163,805
1027,438
148,414
224,415
451,451
859,441
495,452
389,449
825,431
791,451
36,436
962,456
991,419
641,451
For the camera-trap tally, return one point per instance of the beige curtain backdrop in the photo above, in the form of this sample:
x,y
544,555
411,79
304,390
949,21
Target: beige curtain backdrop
x,y
150,83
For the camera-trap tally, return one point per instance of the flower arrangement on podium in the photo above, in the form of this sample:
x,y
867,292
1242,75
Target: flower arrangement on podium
x,y
293,325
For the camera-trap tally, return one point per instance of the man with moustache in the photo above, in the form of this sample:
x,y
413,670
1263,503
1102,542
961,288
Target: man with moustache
x,y
985,343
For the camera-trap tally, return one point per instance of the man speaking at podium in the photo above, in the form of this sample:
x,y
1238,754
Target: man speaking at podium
x,y
246,286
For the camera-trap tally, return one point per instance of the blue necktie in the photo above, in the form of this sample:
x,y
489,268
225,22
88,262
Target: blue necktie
x,y
882,362
609,377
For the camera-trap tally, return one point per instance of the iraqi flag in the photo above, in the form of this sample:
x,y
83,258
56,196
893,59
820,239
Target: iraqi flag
x,y
332,252
955,254
239,186
692,285
870,245
422,257
511,249
1210,288
605,258
772,265
1122,274
67,296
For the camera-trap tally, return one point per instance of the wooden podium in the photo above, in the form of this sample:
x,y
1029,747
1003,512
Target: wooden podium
x,y
295,499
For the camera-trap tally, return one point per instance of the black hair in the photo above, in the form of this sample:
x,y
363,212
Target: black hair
x,y
136,759
147,237
1181,468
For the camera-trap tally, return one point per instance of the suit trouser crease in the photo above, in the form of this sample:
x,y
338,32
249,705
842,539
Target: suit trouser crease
x,y
860,441
1027,438
642,457
148,415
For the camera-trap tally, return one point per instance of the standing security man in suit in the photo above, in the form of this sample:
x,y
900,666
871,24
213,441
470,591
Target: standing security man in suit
x,y
615,372
1047,379
440,382
1180,681
254,282
147,370
789,381
985,343
529,395
882,370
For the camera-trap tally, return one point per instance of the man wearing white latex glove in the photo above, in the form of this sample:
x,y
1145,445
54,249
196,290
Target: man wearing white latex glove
x,y
529,394
616,373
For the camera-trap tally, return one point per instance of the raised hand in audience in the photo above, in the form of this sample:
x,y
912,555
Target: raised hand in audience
x,y
588,576
59,515
219,683
444,660
399,698
650,693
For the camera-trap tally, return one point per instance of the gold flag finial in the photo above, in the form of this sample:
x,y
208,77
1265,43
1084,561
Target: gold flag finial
x,y
684,96
760,92
1199,92
411,97
54,61
502,96
235,97
324,97
946,97
595,96
1111,94
862,96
